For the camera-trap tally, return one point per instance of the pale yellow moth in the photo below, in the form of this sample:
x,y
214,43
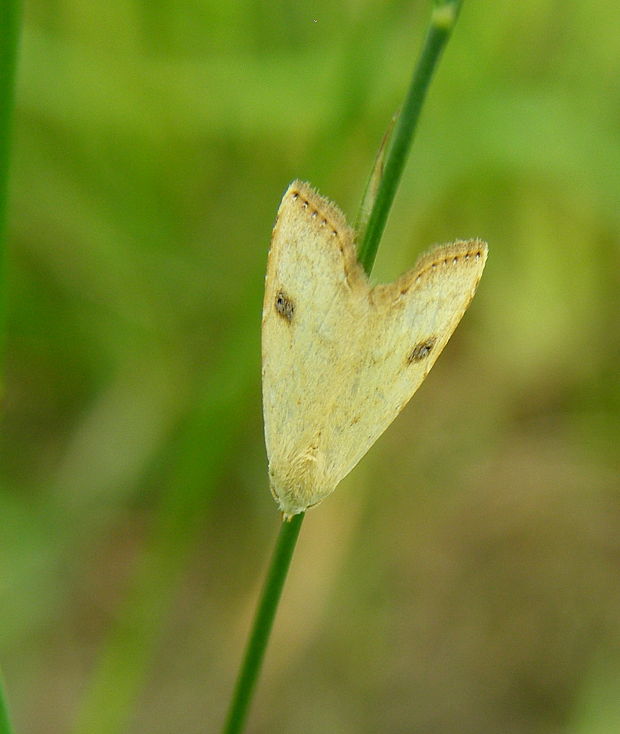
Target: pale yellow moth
x,y
341,358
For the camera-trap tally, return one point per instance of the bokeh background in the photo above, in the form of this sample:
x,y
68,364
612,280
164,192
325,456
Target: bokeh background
x,y
466,576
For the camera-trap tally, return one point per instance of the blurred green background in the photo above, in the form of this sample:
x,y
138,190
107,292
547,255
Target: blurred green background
x,y
466,576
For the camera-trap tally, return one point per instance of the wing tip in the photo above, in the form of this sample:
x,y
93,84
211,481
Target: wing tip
x,y
318,205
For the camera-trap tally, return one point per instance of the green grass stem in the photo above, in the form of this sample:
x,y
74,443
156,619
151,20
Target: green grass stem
x,y
263,622
442,21
9,34
5,723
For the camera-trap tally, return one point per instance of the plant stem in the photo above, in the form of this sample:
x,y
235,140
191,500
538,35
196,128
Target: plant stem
x,y
441,24
263,622
9,33
5,724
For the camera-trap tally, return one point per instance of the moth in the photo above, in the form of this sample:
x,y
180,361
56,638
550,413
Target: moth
x,y
341,358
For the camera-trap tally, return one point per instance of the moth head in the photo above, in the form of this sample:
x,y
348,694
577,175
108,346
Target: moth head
x,y
299,482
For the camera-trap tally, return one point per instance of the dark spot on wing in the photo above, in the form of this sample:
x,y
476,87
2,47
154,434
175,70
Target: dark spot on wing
x,y
422,350
284,306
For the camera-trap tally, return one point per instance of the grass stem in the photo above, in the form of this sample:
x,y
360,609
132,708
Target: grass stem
x,y
442,21
263,622
9,34
5,723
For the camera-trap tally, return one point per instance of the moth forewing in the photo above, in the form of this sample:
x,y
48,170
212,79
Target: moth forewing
x,y
340,358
